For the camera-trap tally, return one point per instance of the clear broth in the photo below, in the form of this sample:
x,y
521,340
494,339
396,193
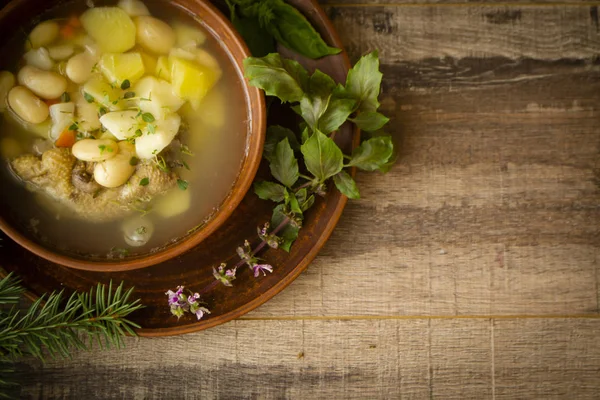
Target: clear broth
x,y
218,155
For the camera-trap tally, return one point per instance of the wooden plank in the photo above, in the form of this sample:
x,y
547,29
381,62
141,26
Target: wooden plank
x,y
415,33
414,359
502,13
493,206
442,280
545,359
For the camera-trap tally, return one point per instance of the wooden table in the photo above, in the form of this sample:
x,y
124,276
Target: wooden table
x,y
470,271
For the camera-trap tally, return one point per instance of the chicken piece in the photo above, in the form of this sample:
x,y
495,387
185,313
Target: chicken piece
x,y
59,175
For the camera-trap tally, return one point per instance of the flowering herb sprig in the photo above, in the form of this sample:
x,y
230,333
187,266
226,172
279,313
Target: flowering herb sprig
x,y
303,164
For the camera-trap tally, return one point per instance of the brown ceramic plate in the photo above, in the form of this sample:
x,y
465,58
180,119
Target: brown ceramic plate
x,y
16,16
194,268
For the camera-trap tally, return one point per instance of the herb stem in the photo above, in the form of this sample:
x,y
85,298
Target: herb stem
x,y
305,185
258,248
308,178
262,244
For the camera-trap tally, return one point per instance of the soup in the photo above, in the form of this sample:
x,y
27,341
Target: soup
x,y
120,132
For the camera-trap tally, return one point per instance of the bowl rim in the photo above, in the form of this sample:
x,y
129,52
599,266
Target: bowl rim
x,y
232,44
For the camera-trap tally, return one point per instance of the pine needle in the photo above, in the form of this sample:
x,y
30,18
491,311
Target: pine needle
x,y
55,324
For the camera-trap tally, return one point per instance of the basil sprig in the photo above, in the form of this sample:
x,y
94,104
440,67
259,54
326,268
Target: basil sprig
x,y
262,22
303,163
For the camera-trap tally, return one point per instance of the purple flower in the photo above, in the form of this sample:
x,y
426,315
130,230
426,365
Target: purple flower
x,y
192,299
258,268
224,276
200,312
174,297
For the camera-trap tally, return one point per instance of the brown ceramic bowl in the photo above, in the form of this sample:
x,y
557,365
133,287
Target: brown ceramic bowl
x,y
20,15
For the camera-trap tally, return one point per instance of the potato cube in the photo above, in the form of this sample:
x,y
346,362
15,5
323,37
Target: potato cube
x,y
192,81
119,67
157,97
110,27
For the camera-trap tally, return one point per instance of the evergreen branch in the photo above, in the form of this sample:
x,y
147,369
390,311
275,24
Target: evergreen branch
x,y
10,290
50,326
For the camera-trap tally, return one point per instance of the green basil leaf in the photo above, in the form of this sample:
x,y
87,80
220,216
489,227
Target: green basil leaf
x,y
315,102
284,79
364,82
337,113
276,134
323,158
301,195
259,40
370,121
294,204
269,191
345,184
305,134
372,154
289,234
284,166
308,203
294,31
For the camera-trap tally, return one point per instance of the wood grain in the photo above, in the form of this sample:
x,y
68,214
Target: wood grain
x,y
452,277
413,359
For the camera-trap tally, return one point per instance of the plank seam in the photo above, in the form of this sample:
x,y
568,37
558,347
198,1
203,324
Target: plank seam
x,y
418,317
471,5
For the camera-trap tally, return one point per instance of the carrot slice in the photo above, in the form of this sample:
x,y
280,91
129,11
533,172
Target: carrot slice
x,y
52,102
67,32
66,139
74,22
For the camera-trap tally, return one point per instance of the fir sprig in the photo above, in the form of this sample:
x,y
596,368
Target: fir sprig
x,y
55,324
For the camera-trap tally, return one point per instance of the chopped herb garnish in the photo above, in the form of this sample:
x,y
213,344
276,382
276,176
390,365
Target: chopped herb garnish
x,y
88,97
133,161
186,150
102,111
162,164
183,185
155,151
79,135
152,129
104,148
95,68
185,165
144,182
96,193
129,95
141,230
65,97
125,84
115,102
74,126
147,117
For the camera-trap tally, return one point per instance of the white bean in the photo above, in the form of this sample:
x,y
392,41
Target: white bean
x,y
79,67
7,81
43,34
27,105
61,52
95,150
46,84
39,58
134,8
116,171
154,35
